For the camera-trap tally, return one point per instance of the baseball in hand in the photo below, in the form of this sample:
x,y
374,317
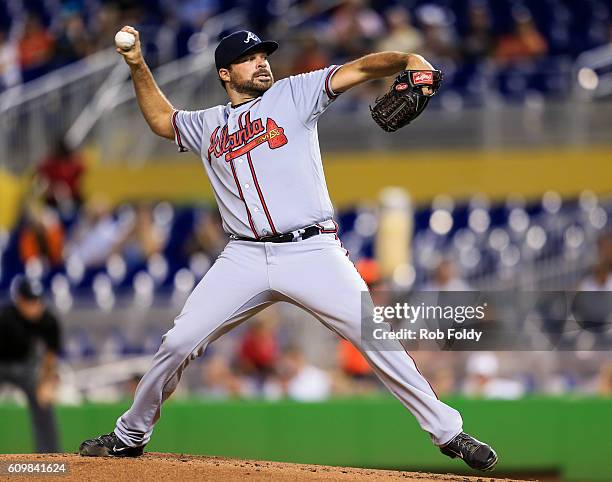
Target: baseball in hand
x,y
124,40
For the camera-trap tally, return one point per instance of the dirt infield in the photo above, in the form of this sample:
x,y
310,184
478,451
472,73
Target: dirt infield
x,y
173,467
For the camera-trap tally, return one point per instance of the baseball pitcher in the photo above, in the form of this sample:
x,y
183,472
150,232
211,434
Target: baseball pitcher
x,y
261,154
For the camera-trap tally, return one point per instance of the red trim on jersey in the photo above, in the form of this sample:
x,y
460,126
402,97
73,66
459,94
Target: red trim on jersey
x,y
261,197
342,246
243,200
328,89
177,133
338,238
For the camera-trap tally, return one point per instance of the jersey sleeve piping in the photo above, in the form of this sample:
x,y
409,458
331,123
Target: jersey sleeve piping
x,y
328,89
177,134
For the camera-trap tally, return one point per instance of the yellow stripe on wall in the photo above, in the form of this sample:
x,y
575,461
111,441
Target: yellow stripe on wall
x,y
461,173
353,177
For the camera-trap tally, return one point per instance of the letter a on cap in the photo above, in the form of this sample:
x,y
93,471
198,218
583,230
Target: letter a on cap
x,y
251,36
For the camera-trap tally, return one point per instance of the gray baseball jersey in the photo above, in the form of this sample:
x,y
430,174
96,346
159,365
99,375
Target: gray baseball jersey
x,y
264,164
263,158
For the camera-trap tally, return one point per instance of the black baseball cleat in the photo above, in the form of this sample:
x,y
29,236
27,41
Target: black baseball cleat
x,y
476,454
108,445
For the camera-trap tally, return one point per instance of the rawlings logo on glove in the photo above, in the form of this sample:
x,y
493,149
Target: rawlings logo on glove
x,y
422,77
406,99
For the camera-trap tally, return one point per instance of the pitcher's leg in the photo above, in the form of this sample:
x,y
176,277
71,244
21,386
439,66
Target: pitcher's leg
x,y
235,288
330,288
399,373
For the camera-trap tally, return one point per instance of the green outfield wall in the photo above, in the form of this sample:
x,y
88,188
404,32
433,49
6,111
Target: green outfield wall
x,y
569,436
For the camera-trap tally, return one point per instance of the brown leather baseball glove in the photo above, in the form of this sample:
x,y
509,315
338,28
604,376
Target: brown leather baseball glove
x,y
406,99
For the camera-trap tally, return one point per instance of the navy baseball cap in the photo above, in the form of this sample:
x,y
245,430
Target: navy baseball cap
x,y
239,43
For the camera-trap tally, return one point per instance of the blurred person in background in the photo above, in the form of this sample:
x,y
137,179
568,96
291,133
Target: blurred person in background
x,y
220,382
208,236
60,176
525,42
10,71
446,278
41,237
73,40
600,278
402,34
605,380
310,55
443,381
439,37
483,380
96,234
353,28
592,306
132,384
297,379
105,24
143,239
36,48
479,40
194,12
30,344
353,364
258,351
358,374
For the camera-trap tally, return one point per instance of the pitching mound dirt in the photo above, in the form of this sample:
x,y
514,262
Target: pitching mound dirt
x,y
173,467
